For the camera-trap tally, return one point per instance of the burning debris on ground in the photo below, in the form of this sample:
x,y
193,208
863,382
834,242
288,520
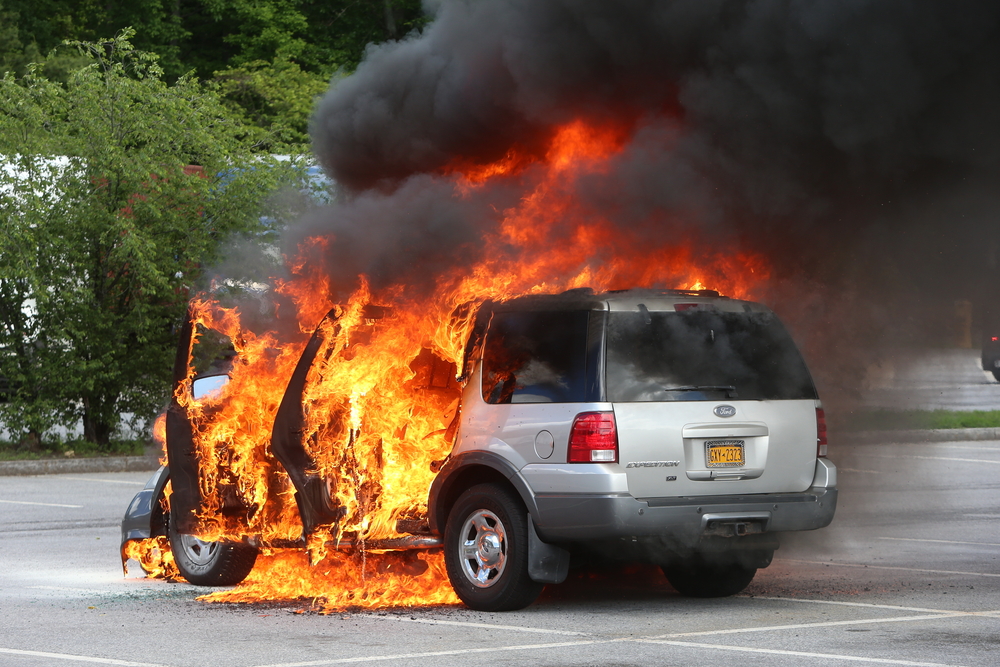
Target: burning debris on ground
x,y
836,160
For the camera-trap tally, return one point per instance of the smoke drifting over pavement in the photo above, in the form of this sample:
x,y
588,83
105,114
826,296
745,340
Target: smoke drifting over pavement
x,y
852,143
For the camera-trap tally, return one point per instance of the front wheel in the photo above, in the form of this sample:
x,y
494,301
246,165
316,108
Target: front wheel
x,y
486,550
699,579
210,563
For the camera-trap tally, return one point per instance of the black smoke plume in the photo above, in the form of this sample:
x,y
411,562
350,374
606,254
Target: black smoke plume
x,y
854,143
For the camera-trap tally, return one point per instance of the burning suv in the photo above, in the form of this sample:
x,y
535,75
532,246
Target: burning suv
x,y
679,428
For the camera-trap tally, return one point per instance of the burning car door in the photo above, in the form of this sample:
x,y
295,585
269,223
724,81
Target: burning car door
x,y
171,505
334,501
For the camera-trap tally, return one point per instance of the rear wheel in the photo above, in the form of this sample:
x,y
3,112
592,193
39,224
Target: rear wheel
x,y
210,563
996,374
486,550
698,579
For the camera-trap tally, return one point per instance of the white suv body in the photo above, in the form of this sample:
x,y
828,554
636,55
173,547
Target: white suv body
x,y
718,439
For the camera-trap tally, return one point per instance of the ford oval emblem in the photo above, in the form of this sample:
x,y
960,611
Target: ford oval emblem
x,y
724,411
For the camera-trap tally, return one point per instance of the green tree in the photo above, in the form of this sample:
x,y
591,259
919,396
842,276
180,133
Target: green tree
x,y
339,32
118,188
27,410
14,55
211,35
271,58
278,96
26,202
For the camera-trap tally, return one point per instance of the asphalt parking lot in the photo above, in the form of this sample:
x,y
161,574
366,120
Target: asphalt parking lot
x,y
908,574
932,379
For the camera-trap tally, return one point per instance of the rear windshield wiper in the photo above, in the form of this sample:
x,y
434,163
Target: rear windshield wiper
x,y
728,388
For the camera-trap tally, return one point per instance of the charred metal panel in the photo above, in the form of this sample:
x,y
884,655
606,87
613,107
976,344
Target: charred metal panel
x,y
185,498
483,314
316,507
144,516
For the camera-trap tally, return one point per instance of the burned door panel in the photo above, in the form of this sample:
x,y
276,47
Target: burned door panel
x,y
316,505
185,499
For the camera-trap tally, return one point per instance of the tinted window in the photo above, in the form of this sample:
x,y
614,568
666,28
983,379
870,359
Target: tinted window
x,y
535,357
702,354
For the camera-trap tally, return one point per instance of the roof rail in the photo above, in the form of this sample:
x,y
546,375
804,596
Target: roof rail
x,y
693,292
674,292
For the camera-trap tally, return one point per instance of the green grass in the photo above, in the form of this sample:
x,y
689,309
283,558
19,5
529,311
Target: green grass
x,y
894,420
12,451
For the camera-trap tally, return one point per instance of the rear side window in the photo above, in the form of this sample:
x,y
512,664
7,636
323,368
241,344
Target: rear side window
x,y
702,354
536,357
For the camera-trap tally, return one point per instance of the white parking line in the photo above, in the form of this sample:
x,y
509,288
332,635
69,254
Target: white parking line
x,y
800,626
799,654
671,639
78,658
922,539
106,481
888,567
871,605
932,458
24,502
643,640
489,626
435,654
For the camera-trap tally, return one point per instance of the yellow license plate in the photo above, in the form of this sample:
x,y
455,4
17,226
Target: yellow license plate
x,y
725,454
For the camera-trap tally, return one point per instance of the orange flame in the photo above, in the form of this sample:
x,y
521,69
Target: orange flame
x,y
160,436
382,393
361,579
154,557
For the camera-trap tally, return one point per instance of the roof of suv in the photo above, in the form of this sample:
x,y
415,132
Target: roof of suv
x,y
626,300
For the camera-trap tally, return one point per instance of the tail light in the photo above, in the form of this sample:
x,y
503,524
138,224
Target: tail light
x,y
820,433
594,438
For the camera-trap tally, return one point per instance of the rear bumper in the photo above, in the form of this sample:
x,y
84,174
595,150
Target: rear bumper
x,y
581,517
578,518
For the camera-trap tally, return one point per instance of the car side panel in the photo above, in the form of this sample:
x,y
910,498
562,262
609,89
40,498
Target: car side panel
x,y
511,430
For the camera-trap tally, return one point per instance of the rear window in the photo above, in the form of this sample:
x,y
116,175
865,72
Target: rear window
x,y
702,354
536,357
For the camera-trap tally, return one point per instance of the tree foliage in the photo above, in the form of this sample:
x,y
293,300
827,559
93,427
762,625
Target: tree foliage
x,y
211,35
116,189
271,58
277,95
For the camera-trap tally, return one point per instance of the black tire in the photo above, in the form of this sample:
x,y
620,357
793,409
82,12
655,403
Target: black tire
x,y
486,550
996,374
698,579
210,563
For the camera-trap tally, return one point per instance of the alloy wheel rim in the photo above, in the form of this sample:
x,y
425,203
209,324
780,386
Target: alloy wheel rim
x,y
198,551
483,550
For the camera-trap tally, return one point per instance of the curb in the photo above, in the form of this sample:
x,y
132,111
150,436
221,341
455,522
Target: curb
x,y
928,435
96,464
